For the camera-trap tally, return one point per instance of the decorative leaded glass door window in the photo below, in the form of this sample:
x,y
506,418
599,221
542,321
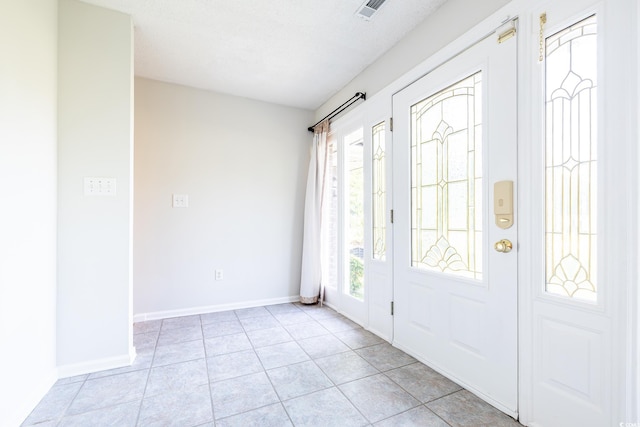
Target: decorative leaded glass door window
x,y
571,161
378,183
446,181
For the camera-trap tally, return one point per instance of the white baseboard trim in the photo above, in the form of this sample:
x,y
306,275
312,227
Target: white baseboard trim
x,y
90,366
353,319
132,354
331,306
167,314
365,327
380,334
28,404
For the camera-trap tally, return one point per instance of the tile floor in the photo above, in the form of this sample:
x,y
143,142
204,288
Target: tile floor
x,y
279,365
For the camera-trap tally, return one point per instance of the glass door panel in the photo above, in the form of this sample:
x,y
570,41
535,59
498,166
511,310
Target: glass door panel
x,y
571,165
379,196
446,180
354,213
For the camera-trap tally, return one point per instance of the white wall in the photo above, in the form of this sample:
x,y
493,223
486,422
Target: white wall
x,y
94,131
27,217
449,22
243,165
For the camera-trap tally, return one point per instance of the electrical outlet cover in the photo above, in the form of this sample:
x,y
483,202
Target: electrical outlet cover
x,y
180,201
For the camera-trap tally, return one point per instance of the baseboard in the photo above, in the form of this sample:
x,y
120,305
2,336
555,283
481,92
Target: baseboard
x,y
166,314
331,306
353,319
132,354
90,366
380,334
28,404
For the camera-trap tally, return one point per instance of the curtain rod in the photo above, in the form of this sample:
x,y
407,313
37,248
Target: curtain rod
x,y
340,109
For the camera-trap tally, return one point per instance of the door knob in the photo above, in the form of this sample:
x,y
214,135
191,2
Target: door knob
x,y
503,246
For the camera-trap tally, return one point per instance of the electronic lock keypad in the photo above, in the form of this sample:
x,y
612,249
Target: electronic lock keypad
x,y
503,203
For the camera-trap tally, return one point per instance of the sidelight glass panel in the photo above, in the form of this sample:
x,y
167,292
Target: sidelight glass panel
x,y
378,181
330,221
446,180
571,161
354,166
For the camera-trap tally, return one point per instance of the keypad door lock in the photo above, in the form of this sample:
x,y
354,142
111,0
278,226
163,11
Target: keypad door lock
x,y
503,203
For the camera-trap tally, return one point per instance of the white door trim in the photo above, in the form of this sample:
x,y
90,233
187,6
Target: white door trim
x,y
623,17
379,273
436,311
337,298
620,228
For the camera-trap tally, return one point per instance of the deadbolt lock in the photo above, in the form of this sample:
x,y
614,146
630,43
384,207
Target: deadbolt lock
x,y
503,203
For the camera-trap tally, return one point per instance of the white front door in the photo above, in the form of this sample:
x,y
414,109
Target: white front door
x,y
454,138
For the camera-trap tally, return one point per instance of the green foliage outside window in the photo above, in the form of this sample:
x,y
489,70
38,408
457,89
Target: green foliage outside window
x,y
356,277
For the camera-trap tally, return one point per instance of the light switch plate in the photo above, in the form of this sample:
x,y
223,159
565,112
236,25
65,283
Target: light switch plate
x,y
97,186
180,201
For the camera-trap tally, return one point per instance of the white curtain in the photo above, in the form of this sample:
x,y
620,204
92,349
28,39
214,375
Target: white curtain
x,y
311,275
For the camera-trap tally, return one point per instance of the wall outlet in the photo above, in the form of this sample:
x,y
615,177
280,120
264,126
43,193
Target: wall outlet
x,y
219,275
180,201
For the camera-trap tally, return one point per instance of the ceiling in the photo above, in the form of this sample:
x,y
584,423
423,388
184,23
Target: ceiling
x,y
291,52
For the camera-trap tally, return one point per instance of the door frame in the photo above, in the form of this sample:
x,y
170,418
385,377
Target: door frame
x,y
441,346
619,230
621,19
337,298
378,273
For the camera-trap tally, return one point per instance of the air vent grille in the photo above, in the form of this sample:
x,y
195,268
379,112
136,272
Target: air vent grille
x,y
370,7
375,4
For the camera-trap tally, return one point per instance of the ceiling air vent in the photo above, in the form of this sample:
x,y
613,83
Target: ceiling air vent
x,y
369,8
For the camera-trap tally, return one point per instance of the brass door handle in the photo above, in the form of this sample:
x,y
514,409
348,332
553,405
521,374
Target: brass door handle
x,y
503,246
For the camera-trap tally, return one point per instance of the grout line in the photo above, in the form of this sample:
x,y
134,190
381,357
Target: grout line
x,y
264,370
206,365
313,360
251,410
411,409
443,396
325,315
64,413
336,385
155,348
353,404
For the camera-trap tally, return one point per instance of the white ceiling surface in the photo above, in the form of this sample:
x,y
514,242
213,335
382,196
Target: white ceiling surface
x,y
291,52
